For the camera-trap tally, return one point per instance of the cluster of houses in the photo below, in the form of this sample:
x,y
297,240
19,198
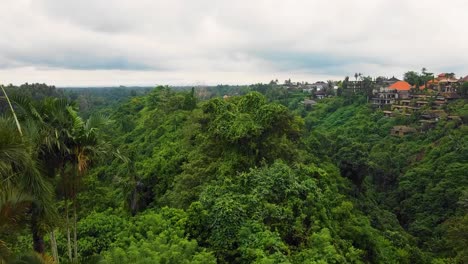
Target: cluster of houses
x,y
396,96
311,88
403,96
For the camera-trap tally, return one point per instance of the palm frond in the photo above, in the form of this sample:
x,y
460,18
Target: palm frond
x,y
12,111
13,152
96,121
18,167
25,109
14,206
33,258
5,252
77,121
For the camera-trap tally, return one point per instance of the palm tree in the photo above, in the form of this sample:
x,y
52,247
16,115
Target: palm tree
x,y
55,138
49,126
426,76
52,126
19,170
86,146
55,151
66,141
131,183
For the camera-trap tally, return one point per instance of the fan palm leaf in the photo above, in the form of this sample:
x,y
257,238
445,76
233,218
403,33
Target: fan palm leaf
x,y
19,170
14,207
16,162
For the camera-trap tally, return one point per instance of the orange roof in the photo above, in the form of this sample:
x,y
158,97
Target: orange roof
x,y
441,75
430,82
448,80
400,86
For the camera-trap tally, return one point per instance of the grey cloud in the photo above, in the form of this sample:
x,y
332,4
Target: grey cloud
x,y
318,62
244,38
76,61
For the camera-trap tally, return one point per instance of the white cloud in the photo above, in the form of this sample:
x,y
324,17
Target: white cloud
x,y
101,42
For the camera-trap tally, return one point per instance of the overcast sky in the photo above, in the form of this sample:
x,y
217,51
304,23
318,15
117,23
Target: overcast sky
x,y
147,42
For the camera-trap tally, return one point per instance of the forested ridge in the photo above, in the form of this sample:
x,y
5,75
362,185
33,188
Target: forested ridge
x,y
187,176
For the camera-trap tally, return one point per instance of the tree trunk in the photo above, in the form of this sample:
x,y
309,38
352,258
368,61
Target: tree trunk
x,y
53,246
38,240
68,230
13,112
75,242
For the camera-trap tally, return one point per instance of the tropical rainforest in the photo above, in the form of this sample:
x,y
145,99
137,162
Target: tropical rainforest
x,y
184,175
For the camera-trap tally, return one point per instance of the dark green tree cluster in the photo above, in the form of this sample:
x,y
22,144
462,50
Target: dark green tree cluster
x,y
418,79
414,185
46,151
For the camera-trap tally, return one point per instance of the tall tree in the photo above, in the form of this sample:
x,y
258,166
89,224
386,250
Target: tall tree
x,y
426,77
412,77
86,146
52,124
19,169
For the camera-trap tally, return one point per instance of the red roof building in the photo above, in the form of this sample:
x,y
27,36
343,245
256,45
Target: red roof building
x,y
400,86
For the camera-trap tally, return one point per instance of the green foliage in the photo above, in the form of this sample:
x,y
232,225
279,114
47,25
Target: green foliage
x,y
32,258
230,137
463,90
418,79
415,180
156,238
412,78
279,214
255,176
97,231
